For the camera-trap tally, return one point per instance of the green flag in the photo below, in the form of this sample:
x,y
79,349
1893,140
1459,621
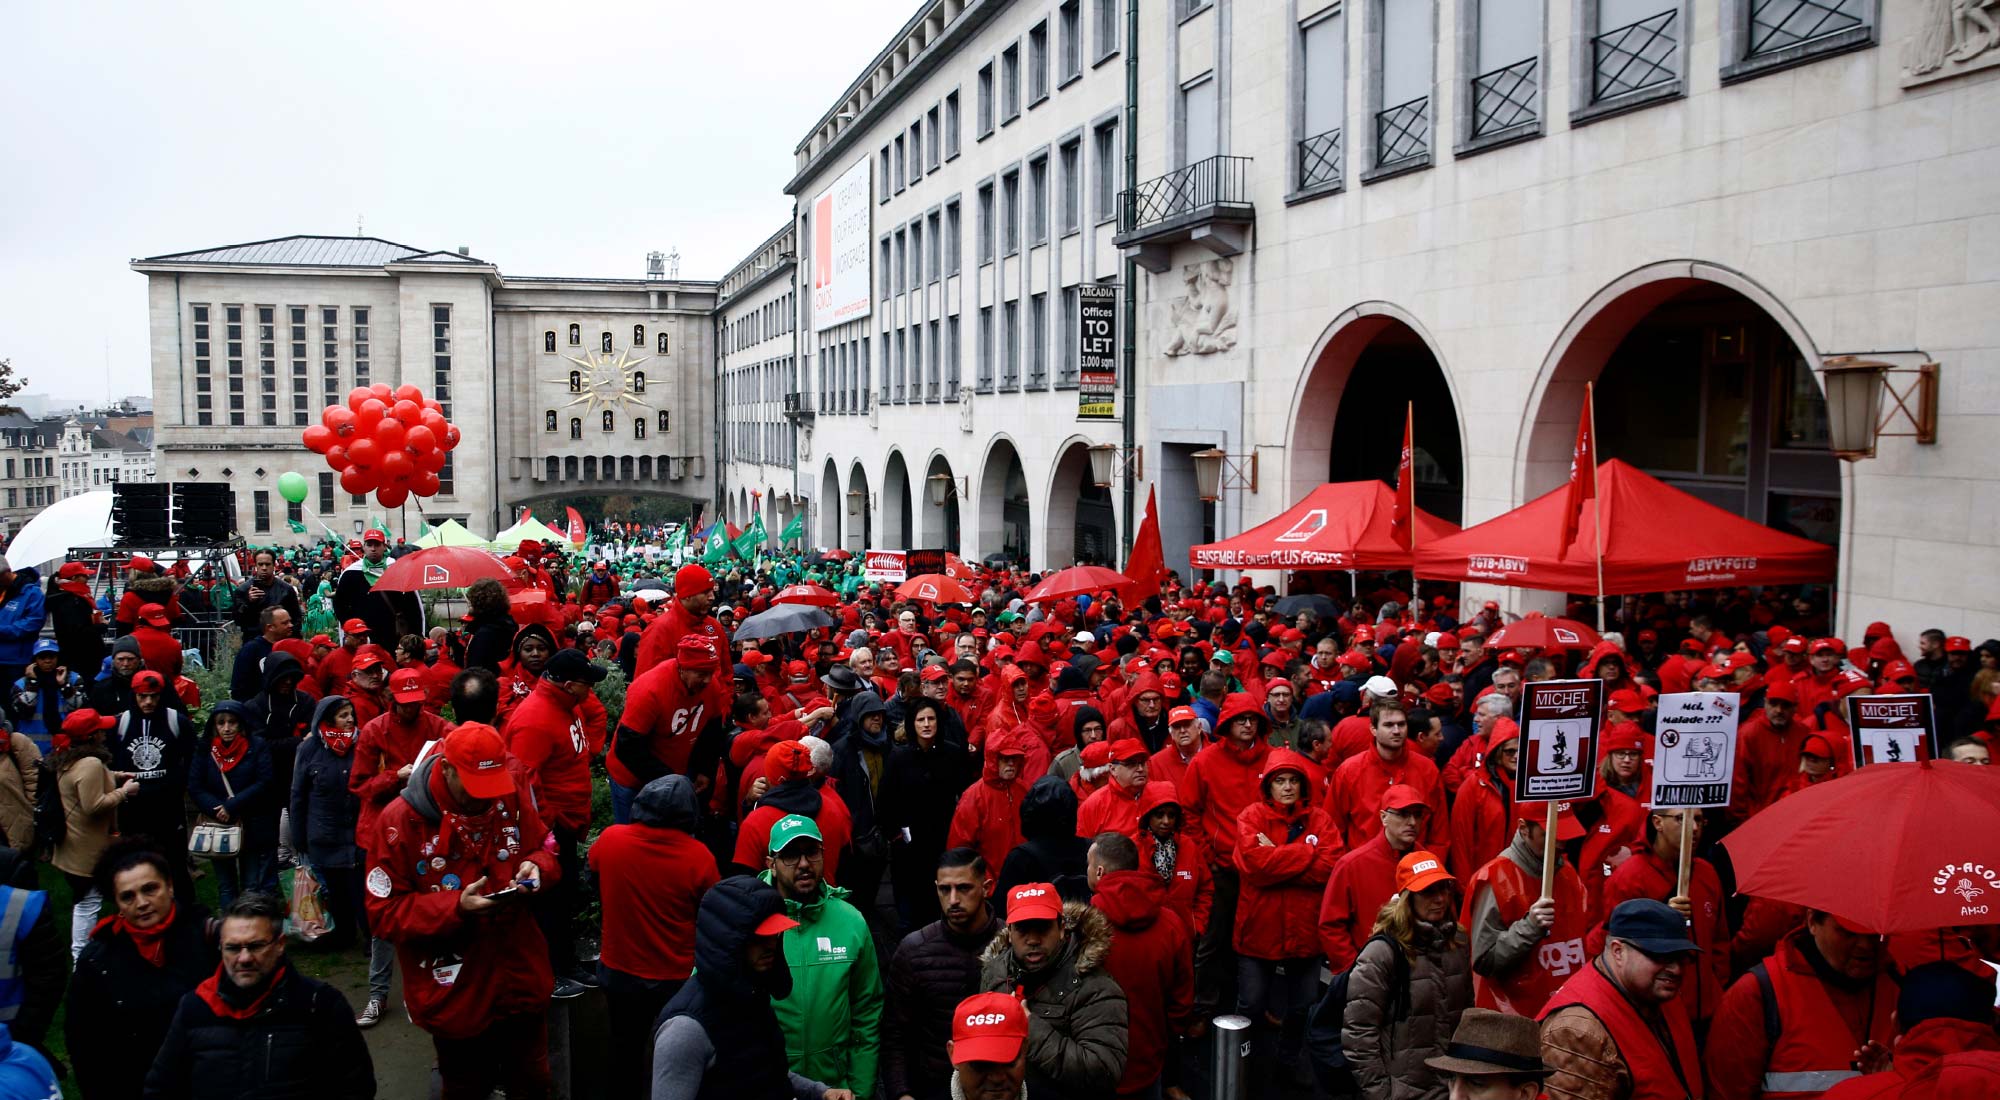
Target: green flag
x,y
678,540
718,545
752,538
793,530
297,527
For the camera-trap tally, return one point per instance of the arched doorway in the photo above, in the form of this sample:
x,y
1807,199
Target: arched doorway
x,y
1703,380
898,521
860,511
831,507
1003,503
1373,363
940,520
1082,525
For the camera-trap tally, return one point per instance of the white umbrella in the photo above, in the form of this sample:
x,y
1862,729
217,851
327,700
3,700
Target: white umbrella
x,y
83,520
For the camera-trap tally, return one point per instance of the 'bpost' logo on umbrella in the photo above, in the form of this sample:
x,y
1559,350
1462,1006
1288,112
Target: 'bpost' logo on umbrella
x,y
927,591
436,575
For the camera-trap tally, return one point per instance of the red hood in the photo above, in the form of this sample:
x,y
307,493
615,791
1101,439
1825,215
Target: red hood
x,y
1157,793
1286,760
1239,704
1926,1044
1131,899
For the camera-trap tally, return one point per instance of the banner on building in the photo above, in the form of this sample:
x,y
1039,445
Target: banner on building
x,y
1892,729
1558,758
1097,351
1694,749
842,247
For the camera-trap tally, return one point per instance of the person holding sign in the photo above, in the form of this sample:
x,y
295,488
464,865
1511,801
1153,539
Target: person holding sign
x,y
1525,944
1654,873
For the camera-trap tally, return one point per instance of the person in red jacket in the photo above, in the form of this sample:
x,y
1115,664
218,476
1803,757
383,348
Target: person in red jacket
x,y
1617,1028
331,671
1948,1050
1183,741
1364,879
547,735
1767,752
694,594
988,816
1114,807
1524,946
1359,781
600,587
1655,873
675,713
1482,817
1222,780
452,867
651,875
797,786
1834,1000
1285,849
1174,850
1151,959
368,683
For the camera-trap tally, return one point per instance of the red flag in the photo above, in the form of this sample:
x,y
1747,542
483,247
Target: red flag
x,y
576,531
1147,563
1582,477
1406,488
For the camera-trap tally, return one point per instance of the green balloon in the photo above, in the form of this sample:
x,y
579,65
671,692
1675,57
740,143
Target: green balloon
x,y
292,486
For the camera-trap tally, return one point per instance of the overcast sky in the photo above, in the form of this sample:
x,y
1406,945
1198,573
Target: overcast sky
x,y
549,139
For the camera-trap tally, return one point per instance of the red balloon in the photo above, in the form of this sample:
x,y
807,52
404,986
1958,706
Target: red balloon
x,y
383,392
392,496
340,419
435,421
431,461
451,437
389,433
409,392
409,412
396,466
420,439
434,405
318,438
336,457
368,416
357,395
354,481
425,484
364,452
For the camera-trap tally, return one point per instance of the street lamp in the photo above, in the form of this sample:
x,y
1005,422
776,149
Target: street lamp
x,y
855,497
942,487
1216,470
1107,459
1855,419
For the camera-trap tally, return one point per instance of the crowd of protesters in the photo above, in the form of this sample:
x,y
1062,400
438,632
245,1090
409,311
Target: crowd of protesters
x,y
987,850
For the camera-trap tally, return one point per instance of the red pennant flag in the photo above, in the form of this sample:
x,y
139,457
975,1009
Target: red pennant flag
x,y
1147,563
576,531
1404,519
1582,477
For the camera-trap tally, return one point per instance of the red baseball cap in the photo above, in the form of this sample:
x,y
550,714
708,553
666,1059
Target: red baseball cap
x,y
697,651
1419,871
406,685
988,1027
322,640
1953,644
1567,826
476,753
786,761
1402,796
365,659
1034,901
755,657
1818,745
1898,670
774,924
1128,748
354,626
73,569
933,673
154,614
1784,691
85,720
375,535
1181,714
1627,701
148,682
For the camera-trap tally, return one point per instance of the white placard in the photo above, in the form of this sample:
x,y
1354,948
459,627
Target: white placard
x,y
1694,749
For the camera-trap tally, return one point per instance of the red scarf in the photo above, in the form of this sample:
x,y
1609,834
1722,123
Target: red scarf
x,y
77,588
227,757
151,943
211,994
451,822
337,742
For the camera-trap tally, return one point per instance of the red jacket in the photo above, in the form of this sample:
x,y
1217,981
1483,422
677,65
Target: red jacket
x,y
659,706
1646,875
1221,782
1820,1025
1359,782
1651,1063
1525,989
159,649
651,879
381,749
332,671
1191,889
1110,809
459,973
1278,907
1766,760
1168,765
1482,824
1362,882
988,817
1938,1059
836,826
1621,824
663,637
1152,960
1351,736
547,735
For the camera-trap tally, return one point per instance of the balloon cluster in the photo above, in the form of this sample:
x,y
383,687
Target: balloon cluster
x,y
388,441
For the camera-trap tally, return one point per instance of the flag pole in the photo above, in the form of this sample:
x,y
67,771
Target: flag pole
x,y
1596,497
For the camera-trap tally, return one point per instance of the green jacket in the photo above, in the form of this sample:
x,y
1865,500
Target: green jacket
x,y
833,1018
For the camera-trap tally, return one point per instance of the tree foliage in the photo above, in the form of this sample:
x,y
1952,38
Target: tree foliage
x,y
9,385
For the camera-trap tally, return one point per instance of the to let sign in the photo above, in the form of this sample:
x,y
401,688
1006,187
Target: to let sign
x,y
1558,759
1097,352
1694,749
1892,729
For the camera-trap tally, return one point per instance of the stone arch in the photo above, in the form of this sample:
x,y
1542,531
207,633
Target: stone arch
x,y
1004,511
939,524
899,522
1080,518
832,506
860,509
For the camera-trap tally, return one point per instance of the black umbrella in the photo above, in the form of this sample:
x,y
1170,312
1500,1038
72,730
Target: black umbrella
x,y
784,618
1319,605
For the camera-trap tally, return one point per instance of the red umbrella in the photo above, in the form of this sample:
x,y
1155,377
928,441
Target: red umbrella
x,y
441,567
1538,631
1888,848
835,554
1078,580
932,588
810,594
956,569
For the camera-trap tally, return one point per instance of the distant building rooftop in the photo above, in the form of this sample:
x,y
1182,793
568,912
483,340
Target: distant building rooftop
x,y
306,250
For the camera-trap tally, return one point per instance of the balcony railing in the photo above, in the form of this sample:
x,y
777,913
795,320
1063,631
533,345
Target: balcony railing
x,y
798,405
1402,132
1505,98
1319,160
1634,57
1215,181
1781,24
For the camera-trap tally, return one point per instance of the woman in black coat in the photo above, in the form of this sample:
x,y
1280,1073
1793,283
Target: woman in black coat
x,y
325,815
230,780
131,976
490,634
921,784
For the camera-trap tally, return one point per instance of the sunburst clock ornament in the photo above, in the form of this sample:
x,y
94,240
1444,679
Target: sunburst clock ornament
x,y
605,381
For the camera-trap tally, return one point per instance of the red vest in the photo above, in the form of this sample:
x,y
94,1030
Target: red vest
x,y
1561,953
1646,1060
1816,1042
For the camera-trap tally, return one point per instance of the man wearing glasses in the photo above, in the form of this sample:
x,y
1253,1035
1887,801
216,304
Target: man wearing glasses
x,y
832,1019
257,1027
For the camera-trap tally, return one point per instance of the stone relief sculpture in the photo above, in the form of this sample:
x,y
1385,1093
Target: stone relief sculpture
x,y
1949,38
1200,322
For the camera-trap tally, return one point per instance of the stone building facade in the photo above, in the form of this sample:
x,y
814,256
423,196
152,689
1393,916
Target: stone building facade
x,y
757,348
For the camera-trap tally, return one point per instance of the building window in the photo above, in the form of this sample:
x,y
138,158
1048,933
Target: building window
x,y
549,421
638,427
576,336
916,152
203,414
888,180
933,152
663,343
575,427
441,356
1038,63
934,257
610,423
1010,345
1505,93
1199,139
986,99
951,125
902,259
1072,186
301,372
1104,146
1066,365
983,354
295,513
1038,200
1010,213
260,511
233,355
325,493
1403,114
1038,341
1107,26
952,357
902,164
1323,57
360,345
549,342
951,233
1010,83
985,223
1634,48
663,421
1069,18
1772,33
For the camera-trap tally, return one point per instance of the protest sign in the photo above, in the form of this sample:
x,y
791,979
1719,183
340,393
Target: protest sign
x,y
1694,749
1892,729
1558,758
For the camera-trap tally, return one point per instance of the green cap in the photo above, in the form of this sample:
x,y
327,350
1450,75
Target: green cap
x,y
791,827
1224,657
1006,617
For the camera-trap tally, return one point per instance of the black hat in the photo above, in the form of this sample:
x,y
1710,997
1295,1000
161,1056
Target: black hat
x,y
1651,926
842,679
570,665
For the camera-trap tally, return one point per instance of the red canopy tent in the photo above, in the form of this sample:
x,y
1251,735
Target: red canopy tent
x,y
1340,525
1656,539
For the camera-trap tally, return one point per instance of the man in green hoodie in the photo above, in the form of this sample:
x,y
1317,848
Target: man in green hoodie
x,y
832,1019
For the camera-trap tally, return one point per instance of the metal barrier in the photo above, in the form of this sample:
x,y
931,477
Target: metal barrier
x,y
1230,1058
